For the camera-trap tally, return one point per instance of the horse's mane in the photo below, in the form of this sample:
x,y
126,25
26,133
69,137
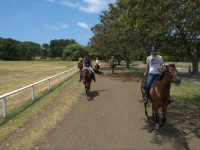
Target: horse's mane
x,y
172,65
162,75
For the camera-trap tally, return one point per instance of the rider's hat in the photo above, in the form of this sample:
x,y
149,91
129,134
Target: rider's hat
x,y
153,49
87,54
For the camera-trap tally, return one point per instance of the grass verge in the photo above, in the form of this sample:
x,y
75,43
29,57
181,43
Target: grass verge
x,y
19,120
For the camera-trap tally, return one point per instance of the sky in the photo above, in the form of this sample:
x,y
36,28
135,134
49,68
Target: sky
x,y
41,21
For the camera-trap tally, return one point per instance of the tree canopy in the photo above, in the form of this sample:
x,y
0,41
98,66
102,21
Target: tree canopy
x,y
129,27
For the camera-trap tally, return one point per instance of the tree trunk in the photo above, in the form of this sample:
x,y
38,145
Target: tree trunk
x,y
195,66
194,57
127,63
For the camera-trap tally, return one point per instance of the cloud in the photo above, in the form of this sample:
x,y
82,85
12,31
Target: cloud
x,y
88,6
69,3
83,25
57,26
92,6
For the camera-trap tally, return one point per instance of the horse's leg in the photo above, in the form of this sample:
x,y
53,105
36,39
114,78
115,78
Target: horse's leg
x,y
145,107
153,114
112,69
164,113
85,88
156,117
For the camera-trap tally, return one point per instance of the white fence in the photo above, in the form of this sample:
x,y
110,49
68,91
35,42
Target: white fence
x,y
60,77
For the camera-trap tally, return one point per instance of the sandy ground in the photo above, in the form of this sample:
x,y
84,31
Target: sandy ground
x,y
113,118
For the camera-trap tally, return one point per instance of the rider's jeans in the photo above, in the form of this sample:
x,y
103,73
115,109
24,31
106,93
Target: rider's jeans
x,y
150,78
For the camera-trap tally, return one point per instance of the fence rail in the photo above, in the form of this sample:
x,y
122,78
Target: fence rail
x,y
66,74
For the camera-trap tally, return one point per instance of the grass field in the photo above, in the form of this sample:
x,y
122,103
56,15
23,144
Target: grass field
x,y
16,74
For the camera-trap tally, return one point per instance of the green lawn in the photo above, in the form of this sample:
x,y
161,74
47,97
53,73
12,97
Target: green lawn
x,y
16,74
182,64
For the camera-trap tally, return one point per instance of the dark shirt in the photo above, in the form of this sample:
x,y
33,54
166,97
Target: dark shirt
x,y
87,62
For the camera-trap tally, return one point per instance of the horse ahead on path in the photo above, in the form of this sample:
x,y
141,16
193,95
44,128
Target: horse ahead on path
x,y
80,65
87,79
97,67
160,93
112,66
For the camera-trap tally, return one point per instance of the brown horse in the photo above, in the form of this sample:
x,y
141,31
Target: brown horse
x,y
80,65
87,78
97,66
160,92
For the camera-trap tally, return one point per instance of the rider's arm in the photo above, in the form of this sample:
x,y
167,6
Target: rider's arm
x,y
91,63
83,64
146,69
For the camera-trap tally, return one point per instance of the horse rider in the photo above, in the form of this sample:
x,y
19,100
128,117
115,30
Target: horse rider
x,y
97,61
112,61
87,63
154,62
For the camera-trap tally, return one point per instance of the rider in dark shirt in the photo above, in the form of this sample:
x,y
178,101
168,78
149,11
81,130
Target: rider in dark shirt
x,y
87,62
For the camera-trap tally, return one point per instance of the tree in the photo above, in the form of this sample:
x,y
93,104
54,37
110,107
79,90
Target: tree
x,y
45,50
186,26
56,47
8,49
74,52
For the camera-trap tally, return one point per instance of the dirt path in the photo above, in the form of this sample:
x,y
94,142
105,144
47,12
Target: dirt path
x,y
112,119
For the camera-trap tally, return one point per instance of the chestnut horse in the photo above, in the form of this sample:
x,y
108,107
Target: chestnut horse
x,y
160,92
87,78
80,65
97,66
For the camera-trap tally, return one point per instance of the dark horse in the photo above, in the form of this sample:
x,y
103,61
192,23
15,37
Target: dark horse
x,y
87,78
113,65
160,93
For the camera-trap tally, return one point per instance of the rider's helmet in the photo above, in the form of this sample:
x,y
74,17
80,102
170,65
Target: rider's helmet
x,y
153,49
87,55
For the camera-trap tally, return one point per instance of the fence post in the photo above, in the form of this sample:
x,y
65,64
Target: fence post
x,y
33,93
4,107
48,84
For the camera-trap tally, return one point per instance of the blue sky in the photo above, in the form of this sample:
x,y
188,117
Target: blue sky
x,y
41,21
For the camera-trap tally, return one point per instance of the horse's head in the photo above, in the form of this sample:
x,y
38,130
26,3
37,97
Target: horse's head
x,y
172,73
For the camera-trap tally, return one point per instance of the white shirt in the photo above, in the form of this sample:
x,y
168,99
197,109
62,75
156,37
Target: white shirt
x,y
97,61
154,63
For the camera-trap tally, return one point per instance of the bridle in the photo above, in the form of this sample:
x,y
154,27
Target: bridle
x,y
172,74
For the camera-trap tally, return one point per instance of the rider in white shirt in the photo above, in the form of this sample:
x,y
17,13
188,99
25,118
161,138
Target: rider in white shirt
x,y
154,62
97,61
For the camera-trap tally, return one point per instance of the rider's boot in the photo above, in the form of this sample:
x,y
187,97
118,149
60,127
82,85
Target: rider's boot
x,y
146,96
94,77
